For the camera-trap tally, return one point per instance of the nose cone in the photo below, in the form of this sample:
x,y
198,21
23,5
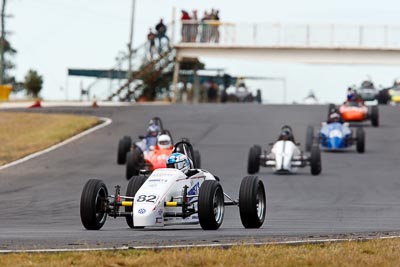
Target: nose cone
x,y
336,142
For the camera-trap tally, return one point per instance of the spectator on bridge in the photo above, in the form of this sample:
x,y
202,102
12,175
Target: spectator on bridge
x,y
205,31
152,44
161,34
194,27
185,26
214,27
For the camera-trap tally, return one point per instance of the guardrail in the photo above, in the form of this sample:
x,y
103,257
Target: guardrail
x,y
292,34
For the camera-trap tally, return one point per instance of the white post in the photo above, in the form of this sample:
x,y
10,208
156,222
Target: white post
x,y
130,50
172,38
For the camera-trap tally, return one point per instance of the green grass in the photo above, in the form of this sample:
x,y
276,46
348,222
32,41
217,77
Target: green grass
x,y
365,254
24,133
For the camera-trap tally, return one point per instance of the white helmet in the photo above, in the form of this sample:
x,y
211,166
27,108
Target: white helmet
x,y
178,161
164,141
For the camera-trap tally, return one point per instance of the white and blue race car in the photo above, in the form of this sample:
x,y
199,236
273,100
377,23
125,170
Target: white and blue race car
x,y
170,197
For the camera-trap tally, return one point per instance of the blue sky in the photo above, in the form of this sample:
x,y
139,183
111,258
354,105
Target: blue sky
x,y
54,35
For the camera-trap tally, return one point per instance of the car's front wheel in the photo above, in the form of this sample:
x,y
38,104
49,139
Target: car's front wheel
x,y
252,202
211,205
93,206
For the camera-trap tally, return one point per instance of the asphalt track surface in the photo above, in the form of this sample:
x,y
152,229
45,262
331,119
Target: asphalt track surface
x,y
356,195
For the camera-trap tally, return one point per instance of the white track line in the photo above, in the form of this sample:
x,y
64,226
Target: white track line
x,y
294,242
106,121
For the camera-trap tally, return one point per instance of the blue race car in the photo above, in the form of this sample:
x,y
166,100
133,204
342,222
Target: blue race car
x,y
336,136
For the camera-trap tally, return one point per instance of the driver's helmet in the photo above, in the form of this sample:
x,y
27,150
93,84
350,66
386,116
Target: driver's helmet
x,y
178,161
164,141
152,130
286,133
334,117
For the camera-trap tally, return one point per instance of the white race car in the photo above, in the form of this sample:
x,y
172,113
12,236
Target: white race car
x,y
285,156
169,197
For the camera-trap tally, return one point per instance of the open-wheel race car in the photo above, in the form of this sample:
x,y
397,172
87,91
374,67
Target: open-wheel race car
x,y
352,111
336,136
285,156
151,152
177,195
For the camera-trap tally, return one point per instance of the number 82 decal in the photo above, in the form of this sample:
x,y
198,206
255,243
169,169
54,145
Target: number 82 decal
x,y
147,198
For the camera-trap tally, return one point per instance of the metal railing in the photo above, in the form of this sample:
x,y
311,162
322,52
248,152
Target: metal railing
x,y
292,34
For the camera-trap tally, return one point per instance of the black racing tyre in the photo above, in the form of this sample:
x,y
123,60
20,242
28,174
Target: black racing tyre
x,y
309,138
375,116
134,162
252,202
315,160
253,164
133,186
124,145
211,205
197,159
360,137
93,207
258,96
158,121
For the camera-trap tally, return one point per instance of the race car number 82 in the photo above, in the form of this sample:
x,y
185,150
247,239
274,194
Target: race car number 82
x,y
147,198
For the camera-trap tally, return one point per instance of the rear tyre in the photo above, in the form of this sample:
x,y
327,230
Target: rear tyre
x,y
252,202
197,159
375,116
124,146
253,164
211,205
315,160
309,138
134,162
360,136
133,186
93,207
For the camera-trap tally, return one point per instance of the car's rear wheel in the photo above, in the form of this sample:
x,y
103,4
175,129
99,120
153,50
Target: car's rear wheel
x,y
134,162
360,136
315,160
197,159
93,206
133,186
252,202
211,205
309,138
124,146
253,164
375,116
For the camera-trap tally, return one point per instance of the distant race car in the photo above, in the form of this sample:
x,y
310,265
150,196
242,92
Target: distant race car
x,y
147,142
367,91
358,112
285,156
170,197
336,136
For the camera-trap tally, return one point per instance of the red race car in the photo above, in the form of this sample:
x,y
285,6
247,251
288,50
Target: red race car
x,y
149,160
357,111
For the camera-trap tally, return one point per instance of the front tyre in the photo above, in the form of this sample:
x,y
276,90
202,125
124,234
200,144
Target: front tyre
x,y
124,146
315,160
375,116
211,205
252,202
360,136
133,186
309,138
253,164
93,207
133,163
